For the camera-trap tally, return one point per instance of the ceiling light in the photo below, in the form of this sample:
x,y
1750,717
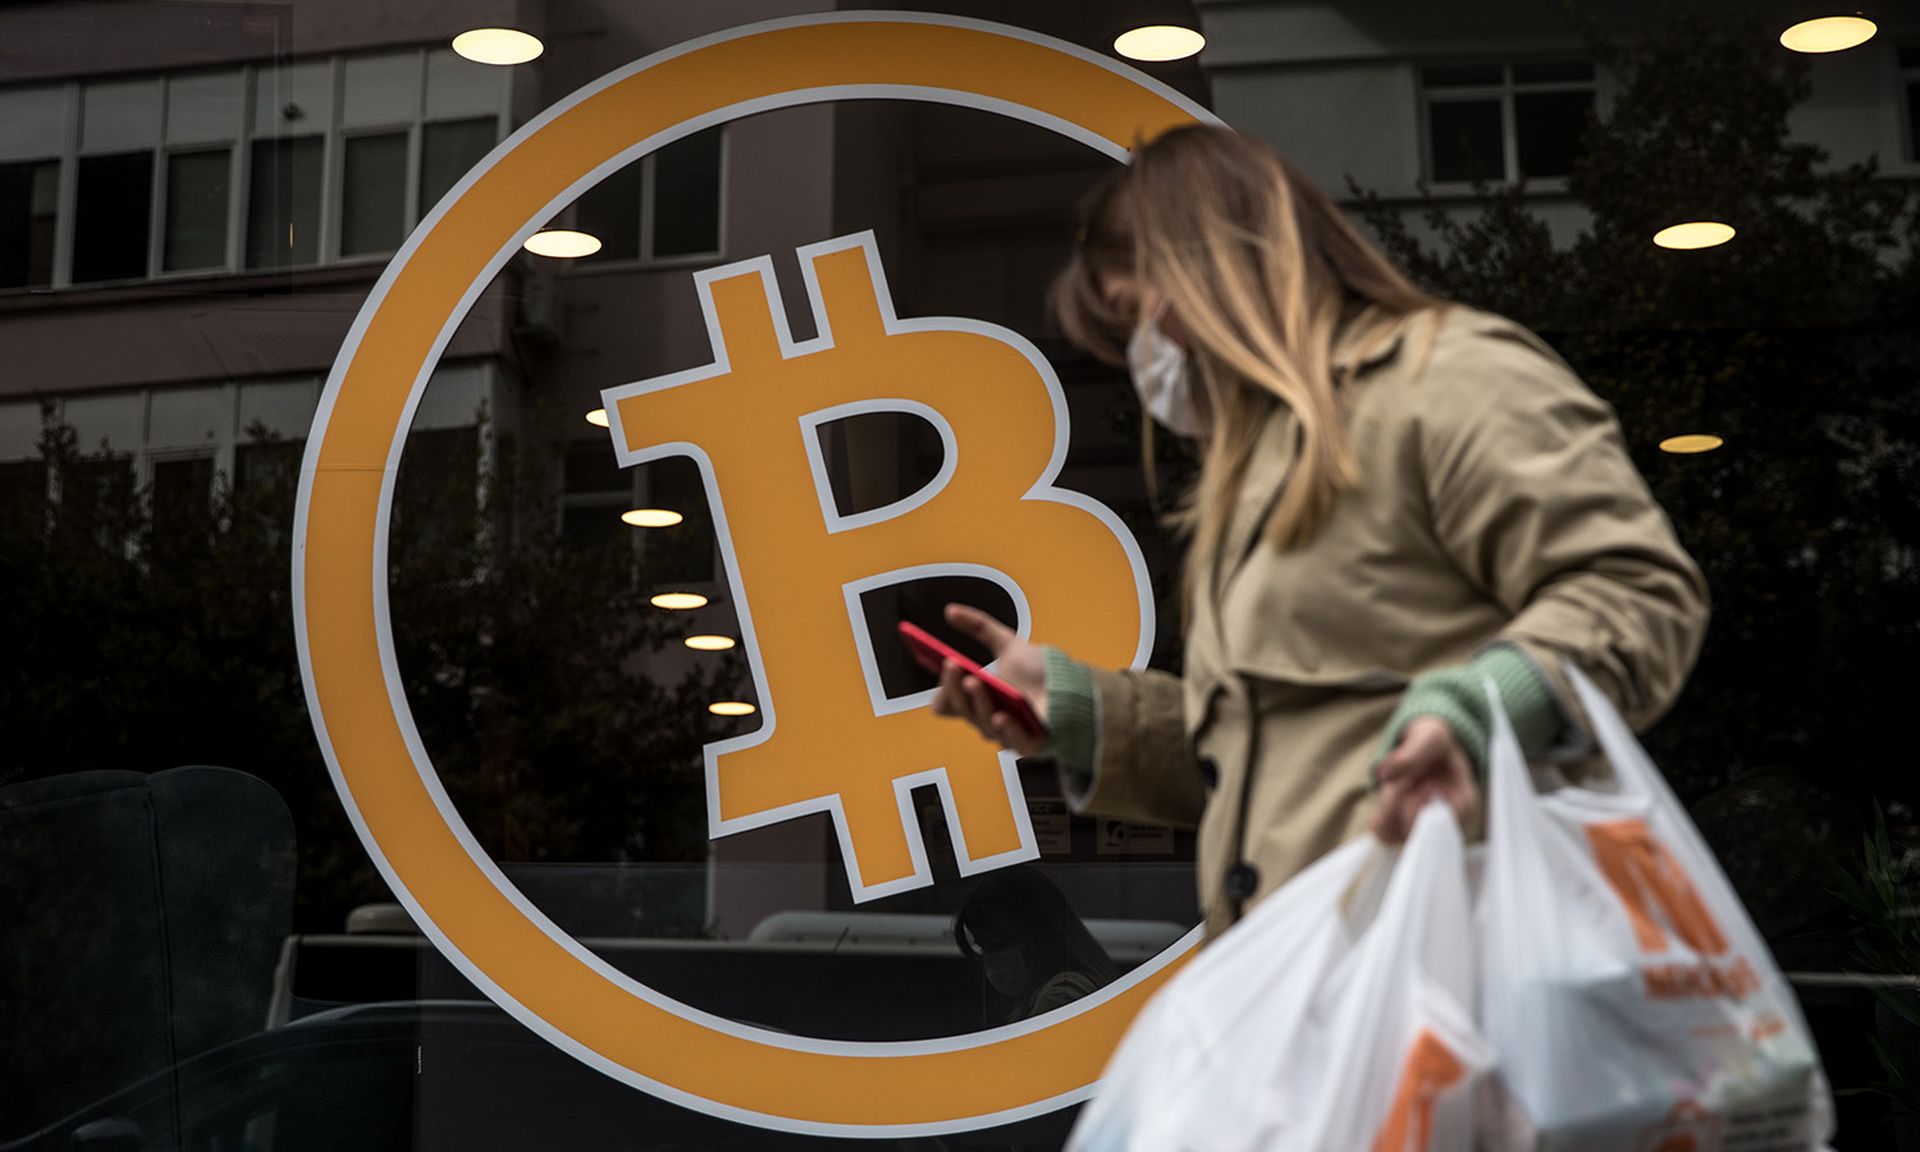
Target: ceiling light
x,y
650,518
731,708
679,601
562,243
1694,234
497,45
1829,34
709,643
1691,444
1159,42
597,418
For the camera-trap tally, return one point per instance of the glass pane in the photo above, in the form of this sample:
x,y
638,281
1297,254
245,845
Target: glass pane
x,y
436,496
23,498
196,235
447,150
283,203
593,528
110,217
181,491
1460,75
591,468
374,198
1465,138
1913,120
682,554
610,210
1552,71
686,196
1548,127
29,196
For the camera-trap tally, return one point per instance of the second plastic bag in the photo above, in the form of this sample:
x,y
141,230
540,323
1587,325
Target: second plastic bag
x,y
1633,1005
1336,1016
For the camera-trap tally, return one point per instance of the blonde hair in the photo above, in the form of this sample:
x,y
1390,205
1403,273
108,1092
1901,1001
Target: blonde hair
x,y
1263,271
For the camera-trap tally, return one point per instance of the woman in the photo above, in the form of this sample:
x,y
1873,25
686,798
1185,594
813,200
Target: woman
x,y
1397,499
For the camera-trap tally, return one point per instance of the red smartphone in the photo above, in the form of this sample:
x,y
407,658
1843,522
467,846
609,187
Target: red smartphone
x,y
931,653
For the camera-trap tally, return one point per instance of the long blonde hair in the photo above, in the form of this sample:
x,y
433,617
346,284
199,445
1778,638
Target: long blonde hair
x,y
1262,270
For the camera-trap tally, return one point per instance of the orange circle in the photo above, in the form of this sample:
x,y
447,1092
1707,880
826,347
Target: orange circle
x,y
472,913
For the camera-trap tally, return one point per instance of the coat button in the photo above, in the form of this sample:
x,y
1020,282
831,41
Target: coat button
x,y
1209,772
1243,880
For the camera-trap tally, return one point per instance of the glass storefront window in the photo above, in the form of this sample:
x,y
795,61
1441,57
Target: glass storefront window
x,y
582,590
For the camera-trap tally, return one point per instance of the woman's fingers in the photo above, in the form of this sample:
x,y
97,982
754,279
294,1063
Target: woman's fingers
x,y
981,627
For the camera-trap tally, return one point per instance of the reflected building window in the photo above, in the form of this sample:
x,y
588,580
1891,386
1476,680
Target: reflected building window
x,y
29,198
1499,123
1910,84
373,206
664,206
112,206
197,209
447,151
283,203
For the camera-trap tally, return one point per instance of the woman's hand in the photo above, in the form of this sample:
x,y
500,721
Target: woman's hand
x,y
1428,762
1017,662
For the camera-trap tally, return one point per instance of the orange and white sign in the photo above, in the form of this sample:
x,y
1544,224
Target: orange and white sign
x,y
833,741
473,914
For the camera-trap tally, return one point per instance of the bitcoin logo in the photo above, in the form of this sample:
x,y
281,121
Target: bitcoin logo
x,y
832,740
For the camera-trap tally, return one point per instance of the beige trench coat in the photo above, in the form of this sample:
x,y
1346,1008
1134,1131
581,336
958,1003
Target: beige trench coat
x,y
1497,504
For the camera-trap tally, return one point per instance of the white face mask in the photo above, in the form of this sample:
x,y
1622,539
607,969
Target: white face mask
x,y
1162,378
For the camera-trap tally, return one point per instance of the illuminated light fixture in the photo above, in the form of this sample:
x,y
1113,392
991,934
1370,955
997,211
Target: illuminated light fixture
x,y
1159,42
651,518
562,243
598,418
731,708
498,45
1829,34
1694,234
1691,444
709,643
679,601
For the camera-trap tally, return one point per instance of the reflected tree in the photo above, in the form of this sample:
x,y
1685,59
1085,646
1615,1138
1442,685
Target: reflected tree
x,y
1796,343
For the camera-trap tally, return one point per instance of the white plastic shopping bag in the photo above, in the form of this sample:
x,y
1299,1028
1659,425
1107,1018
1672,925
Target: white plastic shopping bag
x,y
1631,1002
1337,1016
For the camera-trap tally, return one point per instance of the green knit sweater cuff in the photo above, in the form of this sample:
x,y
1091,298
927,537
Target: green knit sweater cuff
x,y
1073,718
1458,696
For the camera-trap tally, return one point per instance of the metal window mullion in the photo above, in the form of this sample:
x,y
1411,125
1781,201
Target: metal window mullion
x,y
1509,135
157,189
242,183
416,146
326,244
67,194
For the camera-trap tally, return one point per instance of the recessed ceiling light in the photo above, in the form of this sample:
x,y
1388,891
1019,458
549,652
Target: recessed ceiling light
x,y
498,45
1692,444
562,243
598,418
709,643
679,601
1159,42
731,708
650,517
1829,34
1694,234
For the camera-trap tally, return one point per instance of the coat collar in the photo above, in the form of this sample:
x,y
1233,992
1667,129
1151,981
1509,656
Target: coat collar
x,y
1355,348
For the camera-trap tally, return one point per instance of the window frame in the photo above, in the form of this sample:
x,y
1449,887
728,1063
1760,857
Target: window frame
x,y
646,261
1905,78
1503,92
241,135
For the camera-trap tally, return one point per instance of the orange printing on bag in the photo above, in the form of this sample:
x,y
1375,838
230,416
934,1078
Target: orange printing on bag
x,y
1431,1068
1646,877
